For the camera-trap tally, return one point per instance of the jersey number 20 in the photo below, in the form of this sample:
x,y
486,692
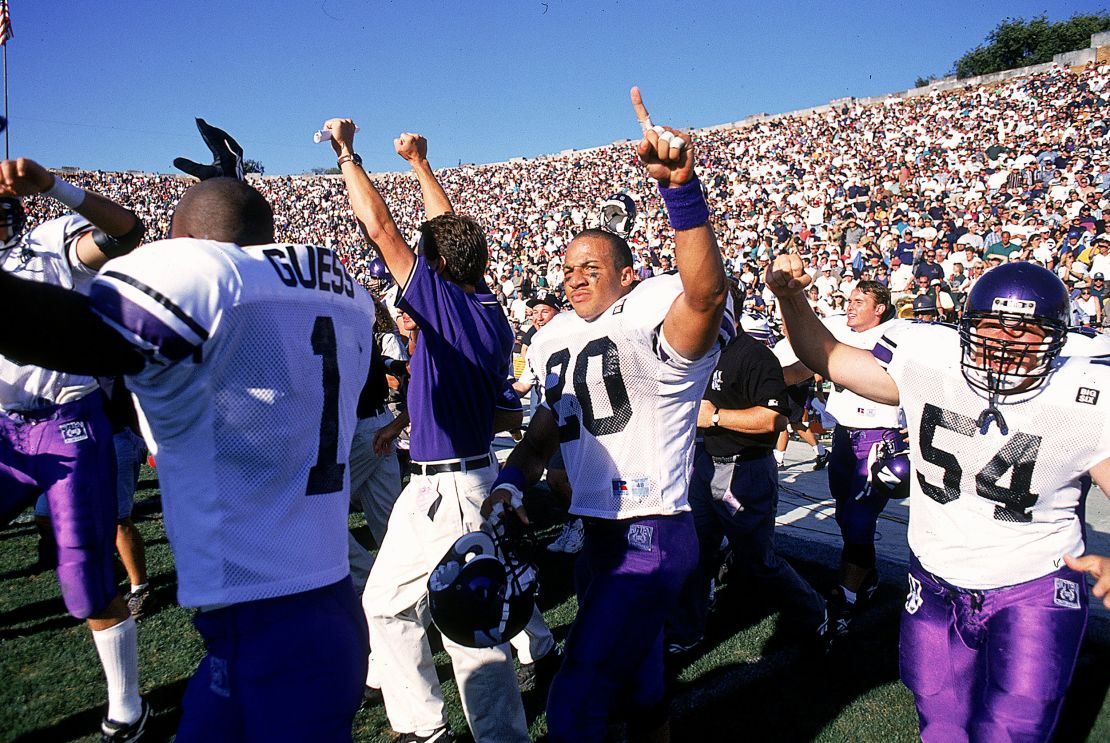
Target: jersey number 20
x,y
614,389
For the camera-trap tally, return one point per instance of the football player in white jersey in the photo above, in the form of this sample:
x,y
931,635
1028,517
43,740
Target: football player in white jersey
x,y
861,426
246,360
1004,432
625,374
55,438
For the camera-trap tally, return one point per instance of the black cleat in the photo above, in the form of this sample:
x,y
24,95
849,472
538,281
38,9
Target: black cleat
x,y
125,732
443,735
821,460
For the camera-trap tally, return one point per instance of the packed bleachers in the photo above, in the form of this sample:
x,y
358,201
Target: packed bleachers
x,y
1015,170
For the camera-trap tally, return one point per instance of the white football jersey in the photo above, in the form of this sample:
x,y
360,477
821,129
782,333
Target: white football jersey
x,y
1083,344
257,357
991,509
45,254
850,409
626,403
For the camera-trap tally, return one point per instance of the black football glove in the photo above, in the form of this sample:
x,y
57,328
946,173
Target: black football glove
x,y
227,155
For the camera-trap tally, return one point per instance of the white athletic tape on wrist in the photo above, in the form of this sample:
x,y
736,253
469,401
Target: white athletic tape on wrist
x,y
67,193
516,495
325,134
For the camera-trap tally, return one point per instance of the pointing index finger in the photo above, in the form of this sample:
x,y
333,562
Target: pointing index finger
x,y
642,115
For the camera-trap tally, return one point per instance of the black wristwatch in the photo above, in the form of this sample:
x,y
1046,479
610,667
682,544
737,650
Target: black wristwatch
x,y
354,157
716,419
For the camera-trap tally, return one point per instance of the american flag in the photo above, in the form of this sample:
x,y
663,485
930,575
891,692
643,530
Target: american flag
x,y
5,23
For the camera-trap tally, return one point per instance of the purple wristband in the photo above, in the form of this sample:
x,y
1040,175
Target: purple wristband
x,y
686,207
511,475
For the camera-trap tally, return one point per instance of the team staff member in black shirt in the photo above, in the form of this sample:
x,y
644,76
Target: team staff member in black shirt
x,y
734,489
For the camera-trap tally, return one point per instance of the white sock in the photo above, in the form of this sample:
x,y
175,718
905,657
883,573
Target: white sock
x,y
118,648
779,456
820,449
137,588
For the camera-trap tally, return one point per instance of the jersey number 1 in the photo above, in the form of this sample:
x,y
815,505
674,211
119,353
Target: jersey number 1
x,y
326,476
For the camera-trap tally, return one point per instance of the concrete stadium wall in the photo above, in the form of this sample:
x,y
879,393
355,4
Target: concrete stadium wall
x,y
1078,58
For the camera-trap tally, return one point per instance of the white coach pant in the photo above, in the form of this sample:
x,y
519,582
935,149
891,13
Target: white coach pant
x,y
534,641
375,480
431,513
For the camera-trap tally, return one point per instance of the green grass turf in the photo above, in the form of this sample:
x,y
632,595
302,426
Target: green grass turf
x,y
752,680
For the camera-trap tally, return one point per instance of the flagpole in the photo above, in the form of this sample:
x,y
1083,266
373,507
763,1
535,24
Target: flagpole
x,y
7,154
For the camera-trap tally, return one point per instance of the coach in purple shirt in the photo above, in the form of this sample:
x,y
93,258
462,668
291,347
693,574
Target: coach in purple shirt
x,y
457,397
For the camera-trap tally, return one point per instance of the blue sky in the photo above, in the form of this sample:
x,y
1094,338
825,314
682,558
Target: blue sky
x,y
115,84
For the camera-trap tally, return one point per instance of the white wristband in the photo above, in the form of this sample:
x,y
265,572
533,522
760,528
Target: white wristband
x,y
67,193
516,495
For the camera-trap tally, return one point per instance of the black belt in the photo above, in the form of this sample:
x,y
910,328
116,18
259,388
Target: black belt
x,y
464,465
744,455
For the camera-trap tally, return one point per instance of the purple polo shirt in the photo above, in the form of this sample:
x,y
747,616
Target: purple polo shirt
x,y
460,367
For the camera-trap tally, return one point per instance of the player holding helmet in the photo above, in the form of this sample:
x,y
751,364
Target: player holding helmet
x,y
997,603
625,373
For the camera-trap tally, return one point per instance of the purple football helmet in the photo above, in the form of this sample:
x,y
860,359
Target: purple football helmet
x,y
888,467
1017,295
481,593
379,271
14,218
618,214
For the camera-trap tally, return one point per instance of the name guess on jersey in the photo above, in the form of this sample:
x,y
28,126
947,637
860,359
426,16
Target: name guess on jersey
x,y
322,271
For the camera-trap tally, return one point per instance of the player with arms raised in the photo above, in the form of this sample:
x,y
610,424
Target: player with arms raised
x,y
625,374
997,603
246,359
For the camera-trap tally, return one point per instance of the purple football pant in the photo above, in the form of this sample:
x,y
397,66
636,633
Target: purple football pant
x,y
628,578
286,668
991,665
67,454
855,515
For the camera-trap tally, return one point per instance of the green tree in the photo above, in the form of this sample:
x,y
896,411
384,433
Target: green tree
x,y
254,166
1016,42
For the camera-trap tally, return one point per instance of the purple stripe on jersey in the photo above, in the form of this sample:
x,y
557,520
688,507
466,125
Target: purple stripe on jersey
x,y
121,311
883,354
458,369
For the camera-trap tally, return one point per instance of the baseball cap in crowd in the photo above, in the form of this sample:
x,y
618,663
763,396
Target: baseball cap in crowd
x,y
548,299
1098,277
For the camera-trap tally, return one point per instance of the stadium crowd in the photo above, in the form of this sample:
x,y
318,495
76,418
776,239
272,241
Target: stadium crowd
x,y
908,201
942,185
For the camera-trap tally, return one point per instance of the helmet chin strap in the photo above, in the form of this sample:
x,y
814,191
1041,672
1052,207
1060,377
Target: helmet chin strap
x,y
992,413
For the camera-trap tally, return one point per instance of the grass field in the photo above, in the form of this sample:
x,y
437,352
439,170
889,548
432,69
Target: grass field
x,y
751,681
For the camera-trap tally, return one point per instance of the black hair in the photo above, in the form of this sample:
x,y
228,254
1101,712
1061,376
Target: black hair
x,y
461,242
618,247
225,209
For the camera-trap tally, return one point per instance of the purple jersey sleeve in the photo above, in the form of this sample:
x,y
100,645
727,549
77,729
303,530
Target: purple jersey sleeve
x,y
459,369
164,310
